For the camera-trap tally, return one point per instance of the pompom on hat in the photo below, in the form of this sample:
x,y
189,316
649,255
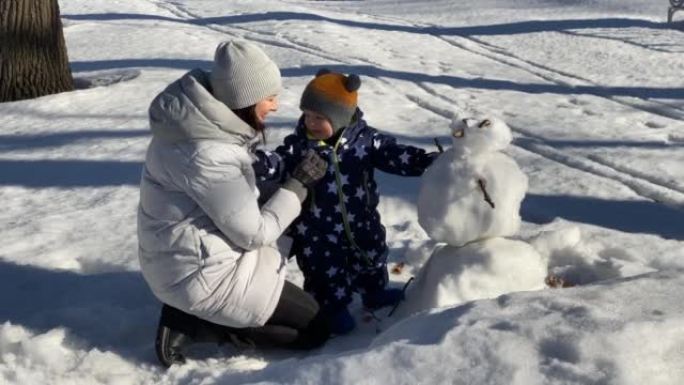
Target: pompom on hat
x,y
333,95
242,74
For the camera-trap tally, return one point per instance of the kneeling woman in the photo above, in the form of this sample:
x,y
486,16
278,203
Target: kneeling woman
x,y
205,245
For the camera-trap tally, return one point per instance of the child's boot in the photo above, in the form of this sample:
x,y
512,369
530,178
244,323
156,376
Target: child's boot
x,y
340,320
382,298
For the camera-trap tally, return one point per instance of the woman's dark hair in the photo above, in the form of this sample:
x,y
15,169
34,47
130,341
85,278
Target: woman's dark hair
x,y
248,115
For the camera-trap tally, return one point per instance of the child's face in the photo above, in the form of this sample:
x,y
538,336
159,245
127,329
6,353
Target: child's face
x,y
318,125
266,106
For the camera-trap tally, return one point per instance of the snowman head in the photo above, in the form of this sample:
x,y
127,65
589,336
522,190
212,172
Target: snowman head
x,y
472,136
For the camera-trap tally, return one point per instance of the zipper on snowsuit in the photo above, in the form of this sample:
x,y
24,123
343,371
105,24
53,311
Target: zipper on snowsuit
x,y
343,207
366,188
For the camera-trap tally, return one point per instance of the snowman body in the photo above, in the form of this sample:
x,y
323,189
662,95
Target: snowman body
x,y
470,199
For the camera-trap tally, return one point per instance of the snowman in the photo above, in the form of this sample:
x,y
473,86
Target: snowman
x,y
469,200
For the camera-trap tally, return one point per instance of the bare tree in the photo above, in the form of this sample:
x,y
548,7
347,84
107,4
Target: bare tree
x,y
33,56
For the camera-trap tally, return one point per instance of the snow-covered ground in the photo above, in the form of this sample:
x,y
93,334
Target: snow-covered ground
x,y
594,94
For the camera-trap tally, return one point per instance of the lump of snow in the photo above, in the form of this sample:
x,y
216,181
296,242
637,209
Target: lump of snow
x,y
485,269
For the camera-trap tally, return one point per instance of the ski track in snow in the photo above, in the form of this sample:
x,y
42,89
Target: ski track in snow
x,y
647,186
270,38
549,74
621,40
562,78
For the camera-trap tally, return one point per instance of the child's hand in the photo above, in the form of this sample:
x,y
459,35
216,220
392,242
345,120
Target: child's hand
x,y
311,169
432,156
439,145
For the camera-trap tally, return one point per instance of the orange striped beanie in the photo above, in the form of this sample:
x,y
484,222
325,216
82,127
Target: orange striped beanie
x,y
333,95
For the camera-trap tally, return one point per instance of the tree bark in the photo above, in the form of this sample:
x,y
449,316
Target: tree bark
x,y
33,56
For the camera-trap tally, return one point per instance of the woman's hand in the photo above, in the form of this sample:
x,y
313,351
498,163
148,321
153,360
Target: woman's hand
x,y
305,175
311,169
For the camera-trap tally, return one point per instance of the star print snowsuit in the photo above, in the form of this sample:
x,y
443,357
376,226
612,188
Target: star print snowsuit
x,y
339,240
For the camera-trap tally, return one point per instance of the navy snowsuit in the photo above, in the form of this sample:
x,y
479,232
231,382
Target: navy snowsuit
x,y
339,240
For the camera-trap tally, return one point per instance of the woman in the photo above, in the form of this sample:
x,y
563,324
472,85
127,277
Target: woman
x,y
205,245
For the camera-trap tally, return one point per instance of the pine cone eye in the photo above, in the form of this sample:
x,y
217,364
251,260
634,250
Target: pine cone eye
x,y
485,123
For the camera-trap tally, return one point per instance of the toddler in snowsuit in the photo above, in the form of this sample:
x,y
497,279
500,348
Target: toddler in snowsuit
x,y
339,240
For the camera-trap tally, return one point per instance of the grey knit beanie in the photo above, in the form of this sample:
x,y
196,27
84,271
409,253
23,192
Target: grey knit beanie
x,y
243,75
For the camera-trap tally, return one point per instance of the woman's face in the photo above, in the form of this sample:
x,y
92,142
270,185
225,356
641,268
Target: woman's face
x,y
318,125
265,106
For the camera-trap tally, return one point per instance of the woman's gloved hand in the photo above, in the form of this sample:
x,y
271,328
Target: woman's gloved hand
x,y
311,169
305,175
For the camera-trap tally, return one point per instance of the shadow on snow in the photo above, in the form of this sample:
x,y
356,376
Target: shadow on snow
x,y
108,311
99,65
26,142
628,216
492,84
68,173
513,28
367,70
566,143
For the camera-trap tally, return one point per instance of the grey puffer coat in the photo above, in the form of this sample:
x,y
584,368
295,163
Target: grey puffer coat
x,y
205,246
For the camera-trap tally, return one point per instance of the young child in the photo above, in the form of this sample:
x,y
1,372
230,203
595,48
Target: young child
x,y
339,240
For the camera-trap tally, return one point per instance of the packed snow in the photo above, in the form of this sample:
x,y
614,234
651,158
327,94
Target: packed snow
x,y
486,268
593,92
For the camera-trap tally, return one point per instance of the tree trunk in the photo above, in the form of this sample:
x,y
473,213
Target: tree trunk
x,y
33,56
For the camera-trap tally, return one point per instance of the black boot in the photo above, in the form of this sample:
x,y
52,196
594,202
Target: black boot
x,y
169,345
178,329
175,332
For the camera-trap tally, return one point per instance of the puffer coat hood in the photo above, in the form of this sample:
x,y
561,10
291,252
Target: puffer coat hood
x,y
186,110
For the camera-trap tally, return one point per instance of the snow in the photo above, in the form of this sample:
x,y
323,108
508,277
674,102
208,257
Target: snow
x,y
593,93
